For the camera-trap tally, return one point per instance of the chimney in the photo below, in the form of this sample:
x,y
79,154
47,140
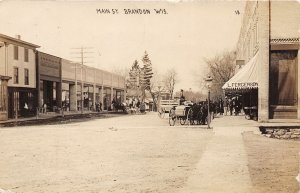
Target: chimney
x,y
18,37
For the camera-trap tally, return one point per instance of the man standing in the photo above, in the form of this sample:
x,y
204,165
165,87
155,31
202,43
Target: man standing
x,y
226,106
230,106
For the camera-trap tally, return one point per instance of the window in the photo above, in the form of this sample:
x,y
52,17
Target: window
x,y
283,77
26,76
25,55
16,52
16,75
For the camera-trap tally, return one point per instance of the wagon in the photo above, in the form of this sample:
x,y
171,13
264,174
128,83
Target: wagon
x,y
166,106
182,113
190,114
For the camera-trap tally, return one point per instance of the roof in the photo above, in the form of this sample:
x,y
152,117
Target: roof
x,y
12,40
246,78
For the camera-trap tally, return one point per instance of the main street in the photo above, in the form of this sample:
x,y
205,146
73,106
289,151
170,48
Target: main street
x,y
141,153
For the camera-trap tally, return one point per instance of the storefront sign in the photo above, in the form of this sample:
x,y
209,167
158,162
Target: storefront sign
x,y
49,65
242,85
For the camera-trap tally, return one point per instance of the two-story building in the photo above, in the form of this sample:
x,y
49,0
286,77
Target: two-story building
x,y
18,77
268,46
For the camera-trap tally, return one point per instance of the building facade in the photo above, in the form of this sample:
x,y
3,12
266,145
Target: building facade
x,y
31,80
18,77
49,81
270,29
84,86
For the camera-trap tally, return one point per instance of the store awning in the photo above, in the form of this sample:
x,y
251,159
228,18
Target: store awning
x,y
246,78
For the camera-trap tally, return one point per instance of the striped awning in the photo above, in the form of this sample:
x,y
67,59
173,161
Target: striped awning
x,y
246,78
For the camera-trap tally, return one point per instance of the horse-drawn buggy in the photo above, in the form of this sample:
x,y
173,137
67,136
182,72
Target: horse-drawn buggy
x,y
188,114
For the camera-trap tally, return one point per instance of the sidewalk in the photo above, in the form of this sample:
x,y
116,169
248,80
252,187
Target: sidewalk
x,y
52,116
223,166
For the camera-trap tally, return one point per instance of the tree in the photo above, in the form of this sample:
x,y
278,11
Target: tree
x,y
133,81
134,75
146,75
155,88
221,68
170,81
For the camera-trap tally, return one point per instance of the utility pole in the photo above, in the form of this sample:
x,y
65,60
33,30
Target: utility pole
x,y
82,51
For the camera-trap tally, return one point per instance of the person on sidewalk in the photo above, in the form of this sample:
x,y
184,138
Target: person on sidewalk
x,y
230,106
226,106
221,106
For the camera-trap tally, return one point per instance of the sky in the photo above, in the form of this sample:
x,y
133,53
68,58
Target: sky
x,y
179,38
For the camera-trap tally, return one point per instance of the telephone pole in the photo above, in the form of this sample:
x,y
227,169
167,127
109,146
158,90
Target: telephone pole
x,y
81,51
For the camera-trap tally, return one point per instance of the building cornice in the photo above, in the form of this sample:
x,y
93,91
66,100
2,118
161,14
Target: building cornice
x,y
15,41
285,41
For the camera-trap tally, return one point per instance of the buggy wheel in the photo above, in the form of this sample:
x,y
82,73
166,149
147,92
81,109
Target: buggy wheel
x,y
189,117
182,121
172,117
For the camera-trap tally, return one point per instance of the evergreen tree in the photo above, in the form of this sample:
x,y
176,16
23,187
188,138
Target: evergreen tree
x,y
147,73
134,75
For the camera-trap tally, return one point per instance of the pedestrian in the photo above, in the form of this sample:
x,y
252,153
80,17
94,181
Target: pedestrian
x,y
230,106
221,106
226,104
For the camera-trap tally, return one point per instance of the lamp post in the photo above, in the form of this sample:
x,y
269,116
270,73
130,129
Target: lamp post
x,y
208,81
158,98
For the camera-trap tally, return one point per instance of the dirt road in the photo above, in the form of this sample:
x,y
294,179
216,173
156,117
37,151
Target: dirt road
x,y
111,155
142,154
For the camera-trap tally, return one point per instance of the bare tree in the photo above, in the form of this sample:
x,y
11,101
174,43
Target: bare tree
x,y
154,88
221,68
170,81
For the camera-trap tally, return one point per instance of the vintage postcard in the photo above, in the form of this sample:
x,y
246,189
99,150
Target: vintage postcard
x,y
149,96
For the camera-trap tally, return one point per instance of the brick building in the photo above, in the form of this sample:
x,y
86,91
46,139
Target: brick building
x,y
270,36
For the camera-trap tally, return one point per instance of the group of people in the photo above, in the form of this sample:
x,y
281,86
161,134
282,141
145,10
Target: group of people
x,y
135,105
232,105
229,106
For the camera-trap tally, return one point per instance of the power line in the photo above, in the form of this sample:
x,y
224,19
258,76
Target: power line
x,y
82,54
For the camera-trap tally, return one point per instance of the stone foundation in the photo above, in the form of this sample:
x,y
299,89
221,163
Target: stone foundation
x,y
281,133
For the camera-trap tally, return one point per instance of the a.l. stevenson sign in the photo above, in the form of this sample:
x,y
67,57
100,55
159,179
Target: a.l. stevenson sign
x,y
242,85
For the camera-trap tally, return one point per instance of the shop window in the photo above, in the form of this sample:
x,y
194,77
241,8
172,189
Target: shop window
x,y
26,55
16,75
26,76
16,52
283,77
3,95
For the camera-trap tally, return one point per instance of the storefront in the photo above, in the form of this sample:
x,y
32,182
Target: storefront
x,y
49,84
3,98
21,102
107,99
88,97
65,96
243,88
